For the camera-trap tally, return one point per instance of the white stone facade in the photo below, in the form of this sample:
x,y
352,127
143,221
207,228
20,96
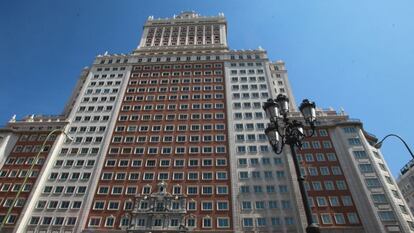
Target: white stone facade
x,y
69,179
263,197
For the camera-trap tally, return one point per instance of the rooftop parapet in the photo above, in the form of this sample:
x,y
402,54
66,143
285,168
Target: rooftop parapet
x,y
39,118
184,16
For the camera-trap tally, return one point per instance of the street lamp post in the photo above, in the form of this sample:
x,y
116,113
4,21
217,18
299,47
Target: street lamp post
x,y
379,144
26,178
282,130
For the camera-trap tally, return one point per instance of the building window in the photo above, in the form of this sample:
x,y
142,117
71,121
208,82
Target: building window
x,y
261,222
354,141
347,200
220,190
366,168
386,215
113,205
99,205
247,222
334,201
321,201
207,206
379,198
222,205
260,205
360,154
110,221
326,219
207,222
339,218
192,190
353,218
94,222
223,222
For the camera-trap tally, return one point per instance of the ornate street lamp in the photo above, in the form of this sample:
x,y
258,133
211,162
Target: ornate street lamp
x,y
282,130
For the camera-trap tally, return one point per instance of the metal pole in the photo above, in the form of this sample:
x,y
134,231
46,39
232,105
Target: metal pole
x,y
312,227
402,140
26,178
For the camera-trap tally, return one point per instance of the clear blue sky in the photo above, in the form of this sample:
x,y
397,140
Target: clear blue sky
x,y
358,55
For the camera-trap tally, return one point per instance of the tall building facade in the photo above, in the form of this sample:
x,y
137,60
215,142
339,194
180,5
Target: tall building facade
x,y
406,184
170,138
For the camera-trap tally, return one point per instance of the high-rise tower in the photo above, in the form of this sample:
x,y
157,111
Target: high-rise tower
x,y
170,138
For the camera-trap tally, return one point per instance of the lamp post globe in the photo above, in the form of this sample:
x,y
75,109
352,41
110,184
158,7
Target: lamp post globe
x,y
272,134
283,102
308,110
272,110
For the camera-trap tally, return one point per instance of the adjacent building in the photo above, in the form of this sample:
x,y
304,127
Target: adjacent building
x,y
170,138
406,184
27,148
352,185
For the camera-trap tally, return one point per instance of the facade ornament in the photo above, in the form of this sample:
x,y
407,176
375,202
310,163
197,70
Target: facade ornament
x,y
13,119
31,118
159,211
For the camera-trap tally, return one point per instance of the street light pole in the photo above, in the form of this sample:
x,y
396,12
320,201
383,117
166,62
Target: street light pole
x,y
284,131
379,144
26,178
312,227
